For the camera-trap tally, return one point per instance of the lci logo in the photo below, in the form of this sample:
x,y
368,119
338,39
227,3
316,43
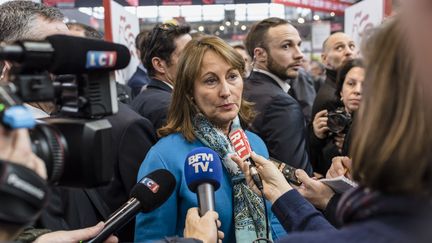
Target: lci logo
x,y
101,59
150,184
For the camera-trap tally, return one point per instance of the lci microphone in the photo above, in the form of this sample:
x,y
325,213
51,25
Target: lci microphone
x,y
203,173
148,194
242,147
64,54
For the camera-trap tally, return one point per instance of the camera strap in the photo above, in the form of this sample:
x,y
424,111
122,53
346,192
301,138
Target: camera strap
x,y
23,194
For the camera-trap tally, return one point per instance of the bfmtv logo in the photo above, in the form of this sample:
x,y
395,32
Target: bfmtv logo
x,y
101,59
150,184
201,161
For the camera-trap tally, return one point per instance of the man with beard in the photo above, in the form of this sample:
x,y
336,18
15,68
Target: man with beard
x,y
274,45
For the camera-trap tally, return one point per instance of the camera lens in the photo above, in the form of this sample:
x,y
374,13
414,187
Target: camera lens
x,y
50,145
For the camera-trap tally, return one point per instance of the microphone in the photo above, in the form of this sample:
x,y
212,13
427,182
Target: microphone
x,y
203,172
148,194
242,147
64,54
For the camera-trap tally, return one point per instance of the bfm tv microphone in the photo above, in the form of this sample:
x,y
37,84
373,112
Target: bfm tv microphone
x,y
64,54
203,172
148,194
242,147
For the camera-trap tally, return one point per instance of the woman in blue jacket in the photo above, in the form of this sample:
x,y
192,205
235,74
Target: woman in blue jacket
x,y
207,103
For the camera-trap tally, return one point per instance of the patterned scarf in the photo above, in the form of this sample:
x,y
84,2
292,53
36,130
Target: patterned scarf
x,y
249,215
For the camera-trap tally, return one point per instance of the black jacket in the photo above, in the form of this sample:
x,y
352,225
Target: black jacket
x,y
153,103
280,121
323,150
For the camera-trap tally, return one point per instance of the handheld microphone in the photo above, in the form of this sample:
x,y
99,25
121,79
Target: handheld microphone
x,y
203,172
64,54
242,147
148,194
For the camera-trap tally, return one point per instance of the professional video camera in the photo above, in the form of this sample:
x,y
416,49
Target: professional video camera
x,y
75,143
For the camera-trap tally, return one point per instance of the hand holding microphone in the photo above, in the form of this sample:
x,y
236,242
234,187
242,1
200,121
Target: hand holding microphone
x,y
203,172
242,147
274,183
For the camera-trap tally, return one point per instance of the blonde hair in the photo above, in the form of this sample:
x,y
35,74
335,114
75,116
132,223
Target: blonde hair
x,y
391,148
182,108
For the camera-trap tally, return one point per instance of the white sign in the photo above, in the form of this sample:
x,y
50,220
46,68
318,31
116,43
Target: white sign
x,y
320,32
124,28
363,16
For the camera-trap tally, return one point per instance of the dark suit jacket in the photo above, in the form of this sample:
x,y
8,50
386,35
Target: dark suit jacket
x,y
280,122
137,81
153,103
132,137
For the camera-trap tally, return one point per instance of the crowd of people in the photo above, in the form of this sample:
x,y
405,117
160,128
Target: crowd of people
x,y
361,112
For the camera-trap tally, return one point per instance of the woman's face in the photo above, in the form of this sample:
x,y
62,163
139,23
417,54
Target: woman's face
x,y
218,90
352,89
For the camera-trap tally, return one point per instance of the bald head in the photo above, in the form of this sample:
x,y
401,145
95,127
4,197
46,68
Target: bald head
x,y
338,48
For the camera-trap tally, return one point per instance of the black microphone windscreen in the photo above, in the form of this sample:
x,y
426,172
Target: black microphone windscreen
x,y
154,189
80,55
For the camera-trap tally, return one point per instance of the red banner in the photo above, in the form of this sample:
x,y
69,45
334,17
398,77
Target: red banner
x,y
176,2
59,3
133,2
337,7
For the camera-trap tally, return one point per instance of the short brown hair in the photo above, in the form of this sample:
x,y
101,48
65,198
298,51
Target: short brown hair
x,y
391,148
257,35
182,108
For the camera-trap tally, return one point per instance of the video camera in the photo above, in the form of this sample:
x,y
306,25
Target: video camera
x,y
76,143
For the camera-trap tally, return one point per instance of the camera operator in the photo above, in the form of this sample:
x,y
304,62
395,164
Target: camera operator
x,y
330,127
15,148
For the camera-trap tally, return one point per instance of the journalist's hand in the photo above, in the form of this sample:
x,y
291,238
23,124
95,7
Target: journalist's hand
x,y
15,146
203,228
313,190
319,124
74,236
341,165
274,183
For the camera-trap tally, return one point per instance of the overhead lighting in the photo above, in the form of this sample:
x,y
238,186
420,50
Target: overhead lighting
x,y
228,23
243,27
332,14
316,17
217,33
301,20
201,28
221,28
236,23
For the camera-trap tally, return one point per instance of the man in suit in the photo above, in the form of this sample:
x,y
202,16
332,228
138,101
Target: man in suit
x,y
161,50
275,46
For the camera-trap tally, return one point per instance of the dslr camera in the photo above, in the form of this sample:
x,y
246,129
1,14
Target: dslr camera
x,y
75,143
338,120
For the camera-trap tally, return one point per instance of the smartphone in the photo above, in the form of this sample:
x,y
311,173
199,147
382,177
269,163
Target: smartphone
x,y
287,170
